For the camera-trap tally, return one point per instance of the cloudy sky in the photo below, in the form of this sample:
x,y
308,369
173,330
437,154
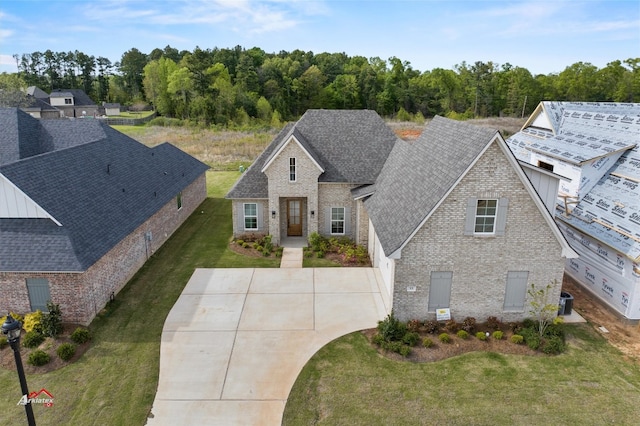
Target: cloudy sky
x,y
542,36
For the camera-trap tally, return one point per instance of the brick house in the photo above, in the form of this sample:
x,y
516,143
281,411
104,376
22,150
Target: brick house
x,y
451,220
82,207
594,147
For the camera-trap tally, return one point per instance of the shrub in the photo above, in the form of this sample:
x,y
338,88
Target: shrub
x,y
391,328
427,342
378,339
462,334
266,243
240,242
32,339
245,245
33,321
405,351
265,252
317,242
279,251
555,330
432,327
498,335
411,338
481,335
66,351
52,321
38,358
307,253
3,342
517,339
80,335
452,326
533,341
493,323
444,338
469,324
320,254
257,247
413,325
553,345
529,323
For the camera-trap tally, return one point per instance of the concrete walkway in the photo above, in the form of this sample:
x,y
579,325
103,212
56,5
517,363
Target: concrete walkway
x,y
291,258
236,339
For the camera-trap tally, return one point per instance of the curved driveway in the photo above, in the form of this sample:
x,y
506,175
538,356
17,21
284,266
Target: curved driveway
x,y
236,339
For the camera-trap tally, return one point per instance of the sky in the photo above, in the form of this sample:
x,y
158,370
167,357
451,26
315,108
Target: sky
x,y
543,36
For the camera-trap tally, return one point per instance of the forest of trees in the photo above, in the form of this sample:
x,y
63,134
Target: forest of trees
x,y
238,85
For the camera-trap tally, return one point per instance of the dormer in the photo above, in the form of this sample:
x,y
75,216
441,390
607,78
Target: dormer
x,y
62,99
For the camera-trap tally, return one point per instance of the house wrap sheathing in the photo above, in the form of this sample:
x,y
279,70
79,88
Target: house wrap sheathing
x,y
595,148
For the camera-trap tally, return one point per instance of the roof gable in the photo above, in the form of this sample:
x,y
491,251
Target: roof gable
x,y
297,138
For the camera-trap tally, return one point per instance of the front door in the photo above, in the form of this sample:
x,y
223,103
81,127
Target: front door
x,y
294,219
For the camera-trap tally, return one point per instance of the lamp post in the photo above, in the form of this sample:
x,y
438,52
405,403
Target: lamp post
x,y
11,328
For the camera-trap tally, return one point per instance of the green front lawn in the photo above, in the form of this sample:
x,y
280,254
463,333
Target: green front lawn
x,y
115,381
348,383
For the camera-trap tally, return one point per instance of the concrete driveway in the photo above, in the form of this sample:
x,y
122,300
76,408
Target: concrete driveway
x,y
236,339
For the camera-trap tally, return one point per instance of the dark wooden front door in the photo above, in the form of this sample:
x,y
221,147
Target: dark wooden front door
x,y
294,218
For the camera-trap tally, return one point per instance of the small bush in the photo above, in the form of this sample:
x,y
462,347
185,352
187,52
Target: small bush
x,y
413,325
481,335
498,335
66,351
377,339
38,358
265,252
555,330
80,335
411,338
3,342
517,339
494,323
469,324
245,245
533,342
529,323
32,339
462,334
240,242
307,253
257,247
391,328
320,254
405,351
451,326
553,345
427,342
432,327
33,321
444,338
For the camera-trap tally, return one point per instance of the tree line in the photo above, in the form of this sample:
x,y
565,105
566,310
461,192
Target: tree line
x,y
236,85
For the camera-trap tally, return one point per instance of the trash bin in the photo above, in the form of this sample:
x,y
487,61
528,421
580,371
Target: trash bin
x,y
566,304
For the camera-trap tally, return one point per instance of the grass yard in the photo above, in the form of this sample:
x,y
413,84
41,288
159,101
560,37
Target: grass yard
x,y
114,383
348,383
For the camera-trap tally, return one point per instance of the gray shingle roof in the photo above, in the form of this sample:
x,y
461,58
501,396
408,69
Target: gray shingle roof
x,y
80,98
351,146
96,208
417,176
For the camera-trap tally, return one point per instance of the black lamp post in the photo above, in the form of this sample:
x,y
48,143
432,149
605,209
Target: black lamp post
x,y
11,328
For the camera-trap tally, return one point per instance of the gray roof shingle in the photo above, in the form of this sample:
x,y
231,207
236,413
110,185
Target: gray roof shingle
x,y
417,176
351,146
100,190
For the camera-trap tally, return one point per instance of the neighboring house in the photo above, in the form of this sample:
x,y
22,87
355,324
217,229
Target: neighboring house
x,y
451,220
594,147
39,108
82,207
73,103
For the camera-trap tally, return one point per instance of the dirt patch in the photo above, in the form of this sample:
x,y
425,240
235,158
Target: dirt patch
x,y
621,334
7,360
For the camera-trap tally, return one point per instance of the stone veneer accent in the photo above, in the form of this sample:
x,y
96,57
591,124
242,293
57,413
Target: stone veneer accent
x,y
479,264
81,295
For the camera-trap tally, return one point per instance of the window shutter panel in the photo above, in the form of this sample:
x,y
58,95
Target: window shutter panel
x,y
501,220
347,220
470,220
327,221
259,215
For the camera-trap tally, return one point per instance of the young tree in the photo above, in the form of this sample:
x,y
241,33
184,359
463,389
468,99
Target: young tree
x,y
541,308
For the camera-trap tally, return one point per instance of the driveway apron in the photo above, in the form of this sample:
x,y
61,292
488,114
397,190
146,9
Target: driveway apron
x,y
236,339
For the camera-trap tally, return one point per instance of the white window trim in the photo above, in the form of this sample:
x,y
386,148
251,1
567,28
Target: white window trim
x,y
293,169
344,221
245,216
494,216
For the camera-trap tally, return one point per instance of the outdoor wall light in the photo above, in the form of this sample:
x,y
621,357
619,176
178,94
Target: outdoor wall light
x,y
313,213
273,214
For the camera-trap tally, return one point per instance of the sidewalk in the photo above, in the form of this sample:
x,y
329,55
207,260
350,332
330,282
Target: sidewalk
x,y
291,258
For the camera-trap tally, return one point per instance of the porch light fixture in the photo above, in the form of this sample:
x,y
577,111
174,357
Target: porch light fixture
x,y
11,328
313,213
273,214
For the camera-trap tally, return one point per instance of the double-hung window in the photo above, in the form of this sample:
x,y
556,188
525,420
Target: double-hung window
x,y
337,220
250,216
486,212
292,169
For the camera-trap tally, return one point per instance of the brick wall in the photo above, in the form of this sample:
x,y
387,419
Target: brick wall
x,y
336,195
82,295
305,187
237,213
479,264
